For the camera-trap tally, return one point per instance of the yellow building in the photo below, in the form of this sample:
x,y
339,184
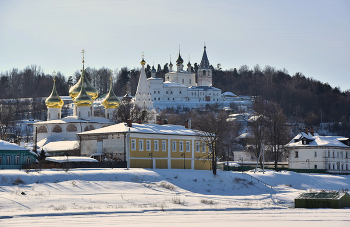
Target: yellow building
x,y
148,146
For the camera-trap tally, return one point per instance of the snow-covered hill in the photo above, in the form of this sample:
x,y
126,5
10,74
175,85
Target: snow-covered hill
x,y
31,196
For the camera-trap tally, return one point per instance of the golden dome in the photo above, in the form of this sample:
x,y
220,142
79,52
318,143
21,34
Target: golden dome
x,y
90,90
111,100
143,62
83,99
54,100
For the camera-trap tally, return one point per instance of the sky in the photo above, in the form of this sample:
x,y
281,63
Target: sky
x,y
307,36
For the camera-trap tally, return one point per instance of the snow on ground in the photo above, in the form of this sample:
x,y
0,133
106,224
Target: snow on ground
x,y
141,197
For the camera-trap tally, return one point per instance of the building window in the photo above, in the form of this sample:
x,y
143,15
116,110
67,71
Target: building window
x,y
174,146
188,146
297,154
28,160
158,92
338,154
181,146
342,167
329,154
173,98
148,145
57,129
315,155
163,145
8,160
333,156
315,166
346,166
329,165
166,92
0,160
341,154
183,81
16,160
190,81
180,92
133,144
158,98
140,145
155,92
197,147
156,145
346,155
88,113
203,147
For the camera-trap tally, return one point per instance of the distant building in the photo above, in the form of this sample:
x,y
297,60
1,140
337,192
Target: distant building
x,y
147,146
13,156
310,152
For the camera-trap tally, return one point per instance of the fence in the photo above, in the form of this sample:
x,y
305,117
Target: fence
x,y
73,165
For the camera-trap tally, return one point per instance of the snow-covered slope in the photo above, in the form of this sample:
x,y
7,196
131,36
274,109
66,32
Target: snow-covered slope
x,y
111,192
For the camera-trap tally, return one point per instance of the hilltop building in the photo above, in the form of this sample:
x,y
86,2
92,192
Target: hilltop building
x,y
180,86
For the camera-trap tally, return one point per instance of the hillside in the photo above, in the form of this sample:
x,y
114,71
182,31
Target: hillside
x,y
165,195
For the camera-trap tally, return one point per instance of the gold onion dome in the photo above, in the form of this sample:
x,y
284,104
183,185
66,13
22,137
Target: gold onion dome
x,y
83,98
143,62
111,100
54,100
90,90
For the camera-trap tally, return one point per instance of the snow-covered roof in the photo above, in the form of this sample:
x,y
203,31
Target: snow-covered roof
x,y
229,94
143,128
74,119
317,140
61,159
60,146
180,71
10,146
204,88
6,146
172,84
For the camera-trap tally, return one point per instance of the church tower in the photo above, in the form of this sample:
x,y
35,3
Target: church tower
x,y
111,102
204,72
143,95
83,102
89,89
54,103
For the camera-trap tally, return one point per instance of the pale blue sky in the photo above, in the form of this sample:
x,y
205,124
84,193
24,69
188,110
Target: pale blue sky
x,y
308,36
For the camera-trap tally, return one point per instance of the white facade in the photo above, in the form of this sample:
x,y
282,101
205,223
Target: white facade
x,y
313,152
180,87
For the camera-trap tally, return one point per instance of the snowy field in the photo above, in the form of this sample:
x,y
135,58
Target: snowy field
x,y
141,197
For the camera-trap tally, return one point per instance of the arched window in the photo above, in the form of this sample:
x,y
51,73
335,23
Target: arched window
x,y
42,129
57,128
88,128
72,128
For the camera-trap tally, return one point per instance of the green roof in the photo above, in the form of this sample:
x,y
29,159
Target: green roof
x,y
321,195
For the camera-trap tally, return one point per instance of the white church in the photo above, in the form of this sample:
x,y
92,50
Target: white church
x,y
180,87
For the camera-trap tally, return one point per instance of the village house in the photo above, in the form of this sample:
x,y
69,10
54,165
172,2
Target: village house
x,y
310,152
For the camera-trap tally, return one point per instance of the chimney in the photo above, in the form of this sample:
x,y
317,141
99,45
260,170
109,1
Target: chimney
x,y
129,122
307,130
159,121
139,121
312,130
186,124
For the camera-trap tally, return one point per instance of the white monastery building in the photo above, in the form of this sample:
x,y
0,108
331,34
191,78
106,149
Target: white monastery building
x,y
180,87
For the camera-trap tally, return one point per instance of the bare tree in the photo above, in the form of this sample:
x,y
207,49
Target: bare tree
x,y
212,126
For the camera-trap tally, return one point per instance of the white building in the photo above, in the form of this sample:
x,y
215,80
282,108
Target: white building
x,y
310,152
180,87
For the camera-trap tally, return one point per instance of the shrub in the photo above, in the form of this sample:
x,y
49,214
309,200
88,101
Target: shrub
x,y
167,186
205,201
18,181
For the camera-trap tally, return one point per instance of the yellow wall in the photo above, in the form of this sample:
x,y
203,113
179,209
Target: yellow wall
x,y
140,163
202,164
144,153
161,163
177,153
179,164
